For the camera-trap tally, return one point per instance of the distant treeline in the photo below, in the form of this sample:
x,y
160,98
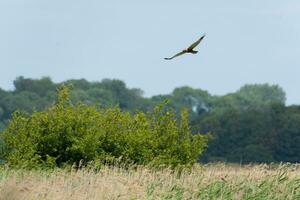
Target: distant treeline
x,y
251,125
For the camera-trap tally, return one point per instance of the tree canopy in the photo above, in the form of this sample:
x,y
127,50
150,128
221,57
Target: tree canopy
x,y
252,124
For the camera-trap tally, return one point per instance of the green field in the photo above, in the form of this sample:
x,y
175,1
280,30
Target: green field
x,y
215,181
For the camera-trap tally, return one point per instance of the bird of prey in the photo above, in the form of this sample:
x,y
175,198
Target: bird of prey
x,y
190,49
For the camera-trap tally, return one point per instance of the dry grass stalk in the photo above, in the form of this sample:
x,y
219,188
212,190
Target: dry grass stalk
x,y
218,181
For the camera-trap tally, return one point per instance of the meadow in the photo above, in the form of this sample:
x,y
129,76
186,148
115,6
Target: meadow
x,y
141,155
211,181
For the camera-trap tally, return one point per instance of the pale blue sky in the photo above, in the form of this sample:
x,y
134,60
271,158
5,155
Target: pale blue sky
x,y
250,41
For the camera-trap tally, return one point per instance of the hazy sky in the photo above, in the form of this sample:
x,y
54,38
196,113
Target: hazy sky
x,y
250,41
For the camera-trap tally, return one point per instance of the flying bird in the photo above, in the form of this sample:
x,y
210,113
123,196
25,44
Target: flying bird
x,y
190,49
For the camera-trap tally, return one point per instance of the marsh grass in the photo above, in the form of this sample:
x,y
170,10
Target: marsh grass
x,y
214,181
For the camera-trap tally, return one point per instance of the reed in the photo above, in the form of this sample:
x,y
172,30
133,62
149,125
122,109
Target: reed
x,y
212,181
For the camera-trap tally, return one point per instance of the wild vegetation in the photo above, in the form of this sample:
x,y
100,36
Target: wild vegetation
x,y
64,134
202,182
252,124
102,140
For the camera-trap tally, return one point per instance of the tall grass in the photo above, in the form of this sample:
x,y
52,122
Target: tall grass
x,y
218,181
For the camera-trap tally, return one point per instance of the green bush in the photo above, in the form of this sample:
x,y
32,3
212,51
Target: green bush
x,y
65,134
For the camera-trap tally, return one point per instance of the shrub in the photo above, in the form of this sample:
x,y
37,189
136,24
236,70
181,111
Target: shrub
x,y
65,134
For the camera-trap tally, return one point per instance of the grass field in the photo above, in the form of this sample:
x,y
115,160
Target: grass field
x,y
215,181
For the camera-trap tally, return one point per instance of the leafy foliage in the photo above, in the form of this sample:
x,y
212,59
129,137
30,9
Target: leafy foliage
x,y
66,133
252,124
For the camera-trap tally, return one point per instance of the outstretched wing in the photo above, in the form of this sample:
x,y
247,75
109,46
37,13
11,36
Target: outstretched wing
x,y
190,48
178,54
